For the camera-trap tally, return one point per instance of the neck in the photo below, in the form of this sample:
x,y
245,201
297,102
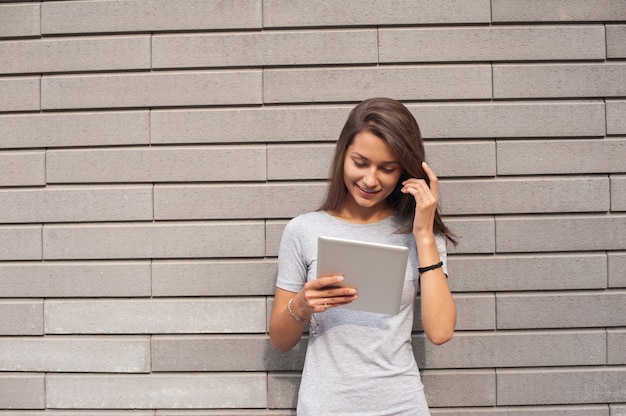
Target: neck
x,y
360,215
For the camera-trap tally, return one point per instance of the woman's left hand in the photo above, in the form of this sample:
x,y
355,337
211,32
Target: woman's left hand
x,y
426,199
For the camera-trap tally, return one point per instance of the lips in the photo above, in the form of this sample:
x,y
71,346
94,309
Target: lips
x,y
366,193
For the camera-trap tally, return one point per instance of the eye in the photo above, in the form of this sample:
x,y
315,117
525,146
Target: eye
x,y
359,164
388,170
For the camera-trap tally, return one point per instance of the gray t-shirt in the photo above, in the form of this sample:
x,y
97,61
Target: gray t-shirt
x,y
360,363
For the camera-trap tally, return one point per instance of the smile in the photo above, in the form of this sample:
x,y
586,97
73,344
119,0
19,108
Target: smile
x,y
366,192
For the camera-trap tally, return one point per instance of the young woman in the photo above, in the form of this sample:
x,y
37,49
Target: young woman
x,y
381,190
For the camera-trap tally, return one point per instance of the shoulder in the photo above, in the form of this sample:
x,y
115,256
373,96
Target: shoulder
x,y
299,236
305,221
300,229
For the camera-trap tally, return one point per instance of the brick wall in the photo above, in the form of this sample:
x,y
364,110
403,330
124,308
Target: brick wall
x,y
151,152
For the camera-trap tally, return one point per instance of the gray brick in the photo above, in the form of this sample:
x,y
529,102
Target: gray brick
x,y
19,20
273,234
282,390
21,317
579,410
75,54
617,269
224,201
561,310
615,120
617,409
69,354
459,159
65,204
160,240
213,278
616,353
460,387
228,412
517,349
74,279
299,161
561,386
215,163
557,10
511,119
151,316
266,124
323,123
355,84
22,168
155,89
74,129
148,15
566,157
21,242
269,306
519,196
20,94
476,235
559,80
223,353
22,391
618,193
265,49
285,13
492,44
528,272
186,391
475,311
132,412
57,412
616,41
552,233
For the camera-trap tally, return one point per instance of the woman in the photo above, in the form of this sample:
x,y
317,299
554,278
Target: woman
x,y
381,190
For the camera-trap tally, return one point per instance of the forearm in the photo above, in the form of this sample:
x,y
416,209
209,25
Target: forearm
x,y
317,296
438,310
285,329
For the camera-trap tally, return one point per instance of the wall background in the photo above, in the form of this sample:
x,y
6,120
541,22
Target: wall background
x,y
151,152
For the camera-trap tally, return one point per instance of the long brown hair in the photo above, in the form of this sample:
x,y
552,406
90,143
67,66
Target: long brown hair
x,y
392,122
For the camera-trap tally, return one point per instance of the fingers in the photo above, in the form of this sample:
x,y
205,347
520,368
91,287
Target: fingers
x,y
327,292
434,181
426,199
322,304
325,281
424,193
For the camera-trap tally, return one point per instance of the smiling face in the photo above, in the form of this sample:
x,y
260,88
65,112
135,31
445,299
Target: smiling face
x,y
371,172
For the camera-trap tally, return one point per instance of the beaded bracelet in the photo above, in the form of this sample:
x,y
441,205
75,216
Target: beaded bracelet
x,y
422,270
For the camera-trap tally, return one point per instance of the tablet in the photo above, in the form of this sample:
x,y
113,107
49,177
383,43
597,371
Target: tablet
x,y
376,270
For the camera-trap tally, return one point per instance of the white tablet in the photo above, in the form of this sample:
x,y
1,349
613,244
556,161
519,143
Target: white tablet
x,y
376,270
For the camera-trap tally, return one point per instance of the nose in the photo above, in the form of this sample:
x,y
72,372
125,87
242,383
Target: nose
x,y
370,180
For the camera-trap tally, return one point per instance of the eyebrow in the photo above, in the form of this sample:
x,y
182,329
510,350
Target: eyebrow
x,y
390,162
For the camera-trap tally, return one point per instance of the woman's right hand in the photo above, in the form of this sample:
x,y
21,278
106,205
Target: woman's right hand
x,y
321,294
316,296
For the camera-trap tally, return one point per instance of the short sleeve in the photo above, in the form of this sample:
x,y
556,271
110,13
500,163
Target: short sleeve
x,y
292,263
